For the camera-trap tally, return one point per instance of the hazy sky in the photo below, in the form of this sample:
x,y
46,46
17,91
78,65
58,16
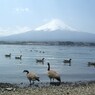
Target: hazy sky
x,y
23,15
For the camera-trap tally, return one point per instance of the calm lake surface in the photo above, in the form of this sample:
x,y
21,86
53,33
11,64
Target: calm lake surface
x,y
11,69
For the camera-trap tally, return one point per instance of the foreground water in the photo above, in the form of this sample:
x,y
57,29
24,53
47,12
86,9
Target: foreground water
x,y
11,69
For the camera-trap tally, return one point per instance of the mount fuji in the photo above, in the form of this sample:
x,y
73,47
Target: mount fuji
x,y
55,30
54,25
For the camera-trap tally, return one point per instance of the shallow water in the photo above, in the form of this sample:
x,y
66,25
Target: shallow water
x,y
11,69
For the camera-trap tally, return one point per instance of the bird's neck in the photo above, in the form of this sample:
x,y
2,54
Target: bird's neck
x,y
27,72
48,67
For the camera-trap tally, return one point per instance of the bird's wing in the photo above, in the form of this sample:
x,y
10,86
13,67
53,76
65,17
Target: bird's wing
x,y
53,73
32,75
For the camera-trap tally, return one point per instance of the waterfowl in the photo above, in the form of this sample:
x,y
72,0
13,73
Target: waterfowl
x,y
53,74
18,57
31,76
8,55
40,60
91,63
67,61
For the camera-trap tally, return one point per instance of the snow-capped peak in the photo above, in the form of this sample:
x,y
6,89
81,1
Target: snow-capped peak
x,y
53,25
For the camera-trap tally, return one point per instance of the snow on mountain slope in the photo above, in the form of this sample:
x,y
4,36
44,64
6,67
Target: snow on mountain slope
x,y
54,30
53,25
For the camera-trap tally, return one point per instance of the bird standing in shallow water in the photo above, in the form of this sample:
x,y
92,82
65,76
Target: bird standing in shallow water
x,y
31,76
53,74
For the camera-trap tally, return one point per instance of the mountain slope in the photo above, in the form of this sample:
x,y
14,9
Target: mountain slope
x,y
55,30
53,25
58,35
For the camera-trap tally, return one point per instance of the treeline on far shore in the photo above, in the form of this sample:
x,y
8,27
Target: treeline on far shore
x,y
65,43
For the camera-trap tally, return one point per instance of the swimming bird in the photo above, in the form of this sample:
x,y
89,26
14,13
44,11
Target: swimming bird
x,y
40,60
18,57
91,63
8,55
53,74
31,76
67,61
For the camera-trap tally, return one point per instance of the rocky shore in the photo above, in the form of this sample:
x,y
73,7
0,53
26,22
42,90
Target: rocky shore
x,y
66,88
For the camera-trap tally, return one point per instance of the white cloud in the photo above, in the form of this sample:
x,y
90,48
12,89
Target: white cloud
x,y
14,30
22,29
21,10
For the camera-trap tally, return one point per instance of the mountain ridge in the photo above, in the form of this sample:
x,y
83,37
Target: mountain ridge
x,y
53,25
54,30
51,36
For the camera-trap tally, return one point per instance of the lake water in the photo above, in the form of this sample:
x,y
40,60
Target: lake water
x,y
11,69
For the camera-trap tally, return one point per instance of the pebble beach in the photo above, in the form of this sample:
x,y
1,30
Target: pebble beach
x,y
67,88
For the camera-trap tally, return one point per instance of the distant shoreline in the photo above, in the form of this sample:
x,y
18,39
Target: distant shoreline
x,y
55,43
